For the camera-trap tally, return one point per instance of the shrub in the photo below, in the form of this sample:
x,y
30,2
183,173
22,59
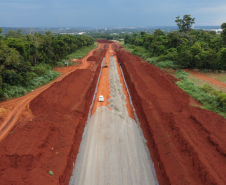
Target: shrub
x,y
41,69
209,100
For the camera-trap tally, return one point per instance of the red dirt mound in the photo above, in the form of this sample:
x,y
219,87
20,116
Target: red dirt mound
x,y
187,144
50,142
117,46
104,41
91,58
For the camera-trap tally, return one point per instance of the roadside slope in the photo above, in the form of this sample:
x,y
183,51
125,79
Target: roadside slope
x,y
50,141
16,106
187,144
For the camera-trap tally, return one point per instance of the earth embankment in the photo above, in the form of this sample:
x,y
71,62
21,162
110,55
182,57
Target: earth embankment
x,y
105,41
50,141
187,144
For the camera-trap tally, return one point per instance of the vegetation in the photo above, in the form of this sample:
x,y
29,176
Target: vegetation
x,y
186,48
186,23
210,98
26,61
82,52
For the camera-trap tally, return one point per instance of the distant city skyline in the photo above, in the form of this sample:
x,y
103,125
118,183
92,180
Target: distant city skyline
x,y
118,13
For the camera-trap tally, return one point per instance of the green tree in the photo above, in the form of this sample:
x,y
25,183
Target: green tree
x,y
186,23
223,34
48,33
19,32
0,34
127,39
11,33
158,32
37,41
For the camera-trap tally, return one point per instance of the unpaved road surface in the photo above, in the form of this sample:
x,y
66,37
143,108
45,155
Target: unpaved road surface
x,y
112,150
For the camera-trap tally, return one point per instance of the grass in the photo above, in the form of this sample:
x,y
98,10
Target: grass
x,y
77,55
210,98
217,76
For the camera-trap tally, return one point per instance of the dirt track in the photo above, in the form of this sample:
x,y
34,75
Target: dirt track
x,y
187,143
207,78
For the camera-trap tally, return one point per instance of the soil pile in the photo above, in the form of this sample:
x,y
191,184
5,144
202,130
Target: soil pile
x,y
51,140
187,144
104,41
91,58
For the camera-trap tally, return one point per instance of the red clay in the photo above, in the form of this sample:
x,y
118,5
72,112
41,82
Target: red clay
x,y
50,140
16,106
91,58
104,86
105,41
187,143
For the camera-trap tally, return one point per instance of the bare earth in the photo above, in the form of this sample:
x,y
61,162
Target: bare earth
x,y
112,150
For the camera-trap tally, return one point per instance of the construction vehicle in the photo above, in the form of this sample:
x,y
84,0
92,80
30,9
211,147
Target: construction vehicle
x,y
105,64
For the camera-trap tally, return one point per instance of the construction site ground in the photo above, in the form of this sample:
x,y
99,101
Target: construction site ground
x,y
43,131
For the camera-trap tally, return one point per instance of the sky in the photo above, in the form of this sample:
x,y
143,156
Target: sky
x,y
108,13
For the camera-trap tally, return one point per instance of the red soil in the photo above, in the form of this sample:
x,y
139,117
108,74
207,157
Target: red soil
x,y
50,140
105,41
91,58
187,143
104,85
11,111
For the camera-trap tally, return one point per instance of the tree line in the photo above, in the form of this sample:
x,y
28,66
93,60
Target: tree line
x,y
25,57
187,48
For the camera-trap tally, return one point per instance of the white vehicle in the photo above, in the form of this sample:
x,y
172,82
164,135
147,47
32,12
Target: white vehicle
x,y
101,98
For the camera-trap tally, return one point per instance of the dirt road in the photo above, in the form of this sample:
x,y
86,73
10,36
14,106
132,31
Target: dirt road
x,y
219,83
112,150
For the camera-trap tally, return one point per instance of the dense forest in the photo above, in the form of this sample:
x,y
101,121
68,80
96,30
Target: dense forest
x,y
26,61
186,48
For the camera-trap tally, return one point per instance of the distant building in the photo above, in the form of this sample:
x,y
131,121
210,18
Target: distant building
x,y
81,33
218,31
